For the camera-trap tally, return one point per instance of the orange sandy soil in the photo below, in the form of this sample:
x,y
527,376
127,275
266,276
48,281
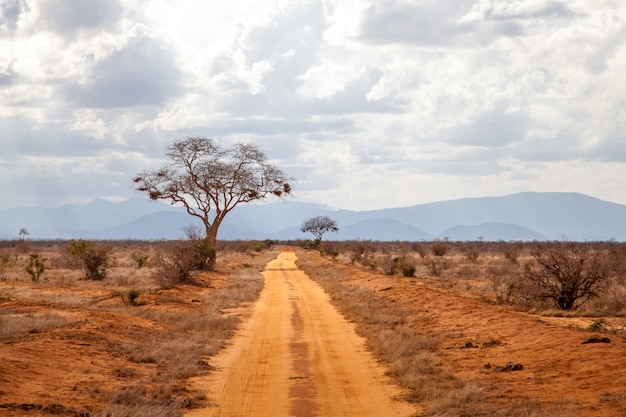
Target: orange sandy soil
x,y
74,369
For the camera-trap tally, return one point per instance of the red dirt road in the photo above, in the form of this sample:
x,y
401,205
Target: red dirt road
x,y
297,356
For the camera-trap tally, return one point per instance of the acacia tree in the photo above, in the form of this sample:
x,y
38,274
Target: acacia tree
x,y
209,181
318,226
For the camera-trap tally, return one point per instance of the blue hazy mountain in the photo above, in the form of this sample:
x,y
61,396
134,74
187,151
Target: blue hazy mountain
x,y
522,216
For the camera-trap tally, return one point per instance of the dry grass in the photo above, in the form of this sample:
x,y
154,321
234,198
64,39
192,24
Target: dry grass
x,y
16,324
492,271
395,335
147,348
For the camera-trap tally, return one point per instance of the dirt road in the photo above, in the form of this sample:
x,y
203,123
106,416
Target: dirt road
x,y
297,356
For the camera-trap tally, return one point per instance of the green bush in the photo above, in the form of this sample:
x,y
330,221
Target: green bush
x,y
36,266
93,259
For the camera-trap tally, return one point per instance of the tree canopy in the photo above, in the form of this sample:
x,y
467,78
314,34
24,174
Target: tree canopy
x,y
318,226
210,180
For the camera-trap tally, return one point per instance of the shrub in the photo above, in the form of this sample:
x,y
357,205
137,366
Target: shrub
x,y
404,265
131,297
94,259
262,245
512,251
358,251
36,266
5,262
140,259
420,248
566,273
388,265
408,269
437,266
501,282
179,259
329,249
472,250
439,248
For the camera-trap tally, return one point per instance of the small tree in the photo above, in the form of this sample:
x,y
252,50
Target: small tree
x,y
94,259
319,225
36,266
23,233
209,181
567,273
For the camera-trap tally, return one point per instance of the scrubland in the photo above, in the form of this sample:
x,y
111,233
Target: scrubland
x,y
455,321
465,328
123,345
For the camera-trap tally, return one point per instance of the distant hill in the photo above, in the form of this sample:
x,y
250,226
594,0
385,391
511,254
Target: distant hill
x,y
491,232
522,216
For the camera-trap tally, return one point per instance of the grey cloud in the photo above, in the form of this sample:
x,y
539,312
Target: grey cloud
x,y
552,10
141,74
266,127
52,191
430,23
495,128
7,76
299,28
607,49
610,148
10,12
566,144
19,137
67,16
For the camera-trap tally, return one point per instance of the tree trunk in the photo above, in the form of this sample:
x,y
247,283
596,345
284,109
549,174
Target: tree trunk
x,y
211,241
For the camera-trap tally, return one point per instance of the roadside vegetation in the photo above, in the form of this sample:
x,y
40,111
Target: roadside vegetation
x,y
126,336
565,279
552,278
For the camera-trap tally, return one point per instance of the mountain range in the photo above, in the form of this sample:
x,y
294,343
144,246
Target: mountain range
x,y
521,216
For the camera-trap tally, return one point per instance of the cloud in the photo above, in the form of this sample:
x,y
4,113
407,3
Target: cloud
x,y
68,16
142,73
10,12
430,23
537,9
494,128
366,103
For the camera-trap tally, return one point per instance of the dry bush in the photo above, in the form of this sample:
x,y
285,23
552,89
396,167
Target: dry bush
x,y
436,266
5,263
511,250
178,260
502,281
473,250
564,273
330,249
439,247
359,251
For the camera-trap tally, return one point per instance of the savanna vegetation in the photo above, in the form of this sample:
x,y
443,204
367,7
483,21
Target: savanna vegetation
x,y
585,282
557,277
117,328
124,325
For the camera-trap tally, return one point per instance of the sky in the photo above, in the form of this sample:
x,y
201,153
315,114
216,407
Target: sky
x,y
366,104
